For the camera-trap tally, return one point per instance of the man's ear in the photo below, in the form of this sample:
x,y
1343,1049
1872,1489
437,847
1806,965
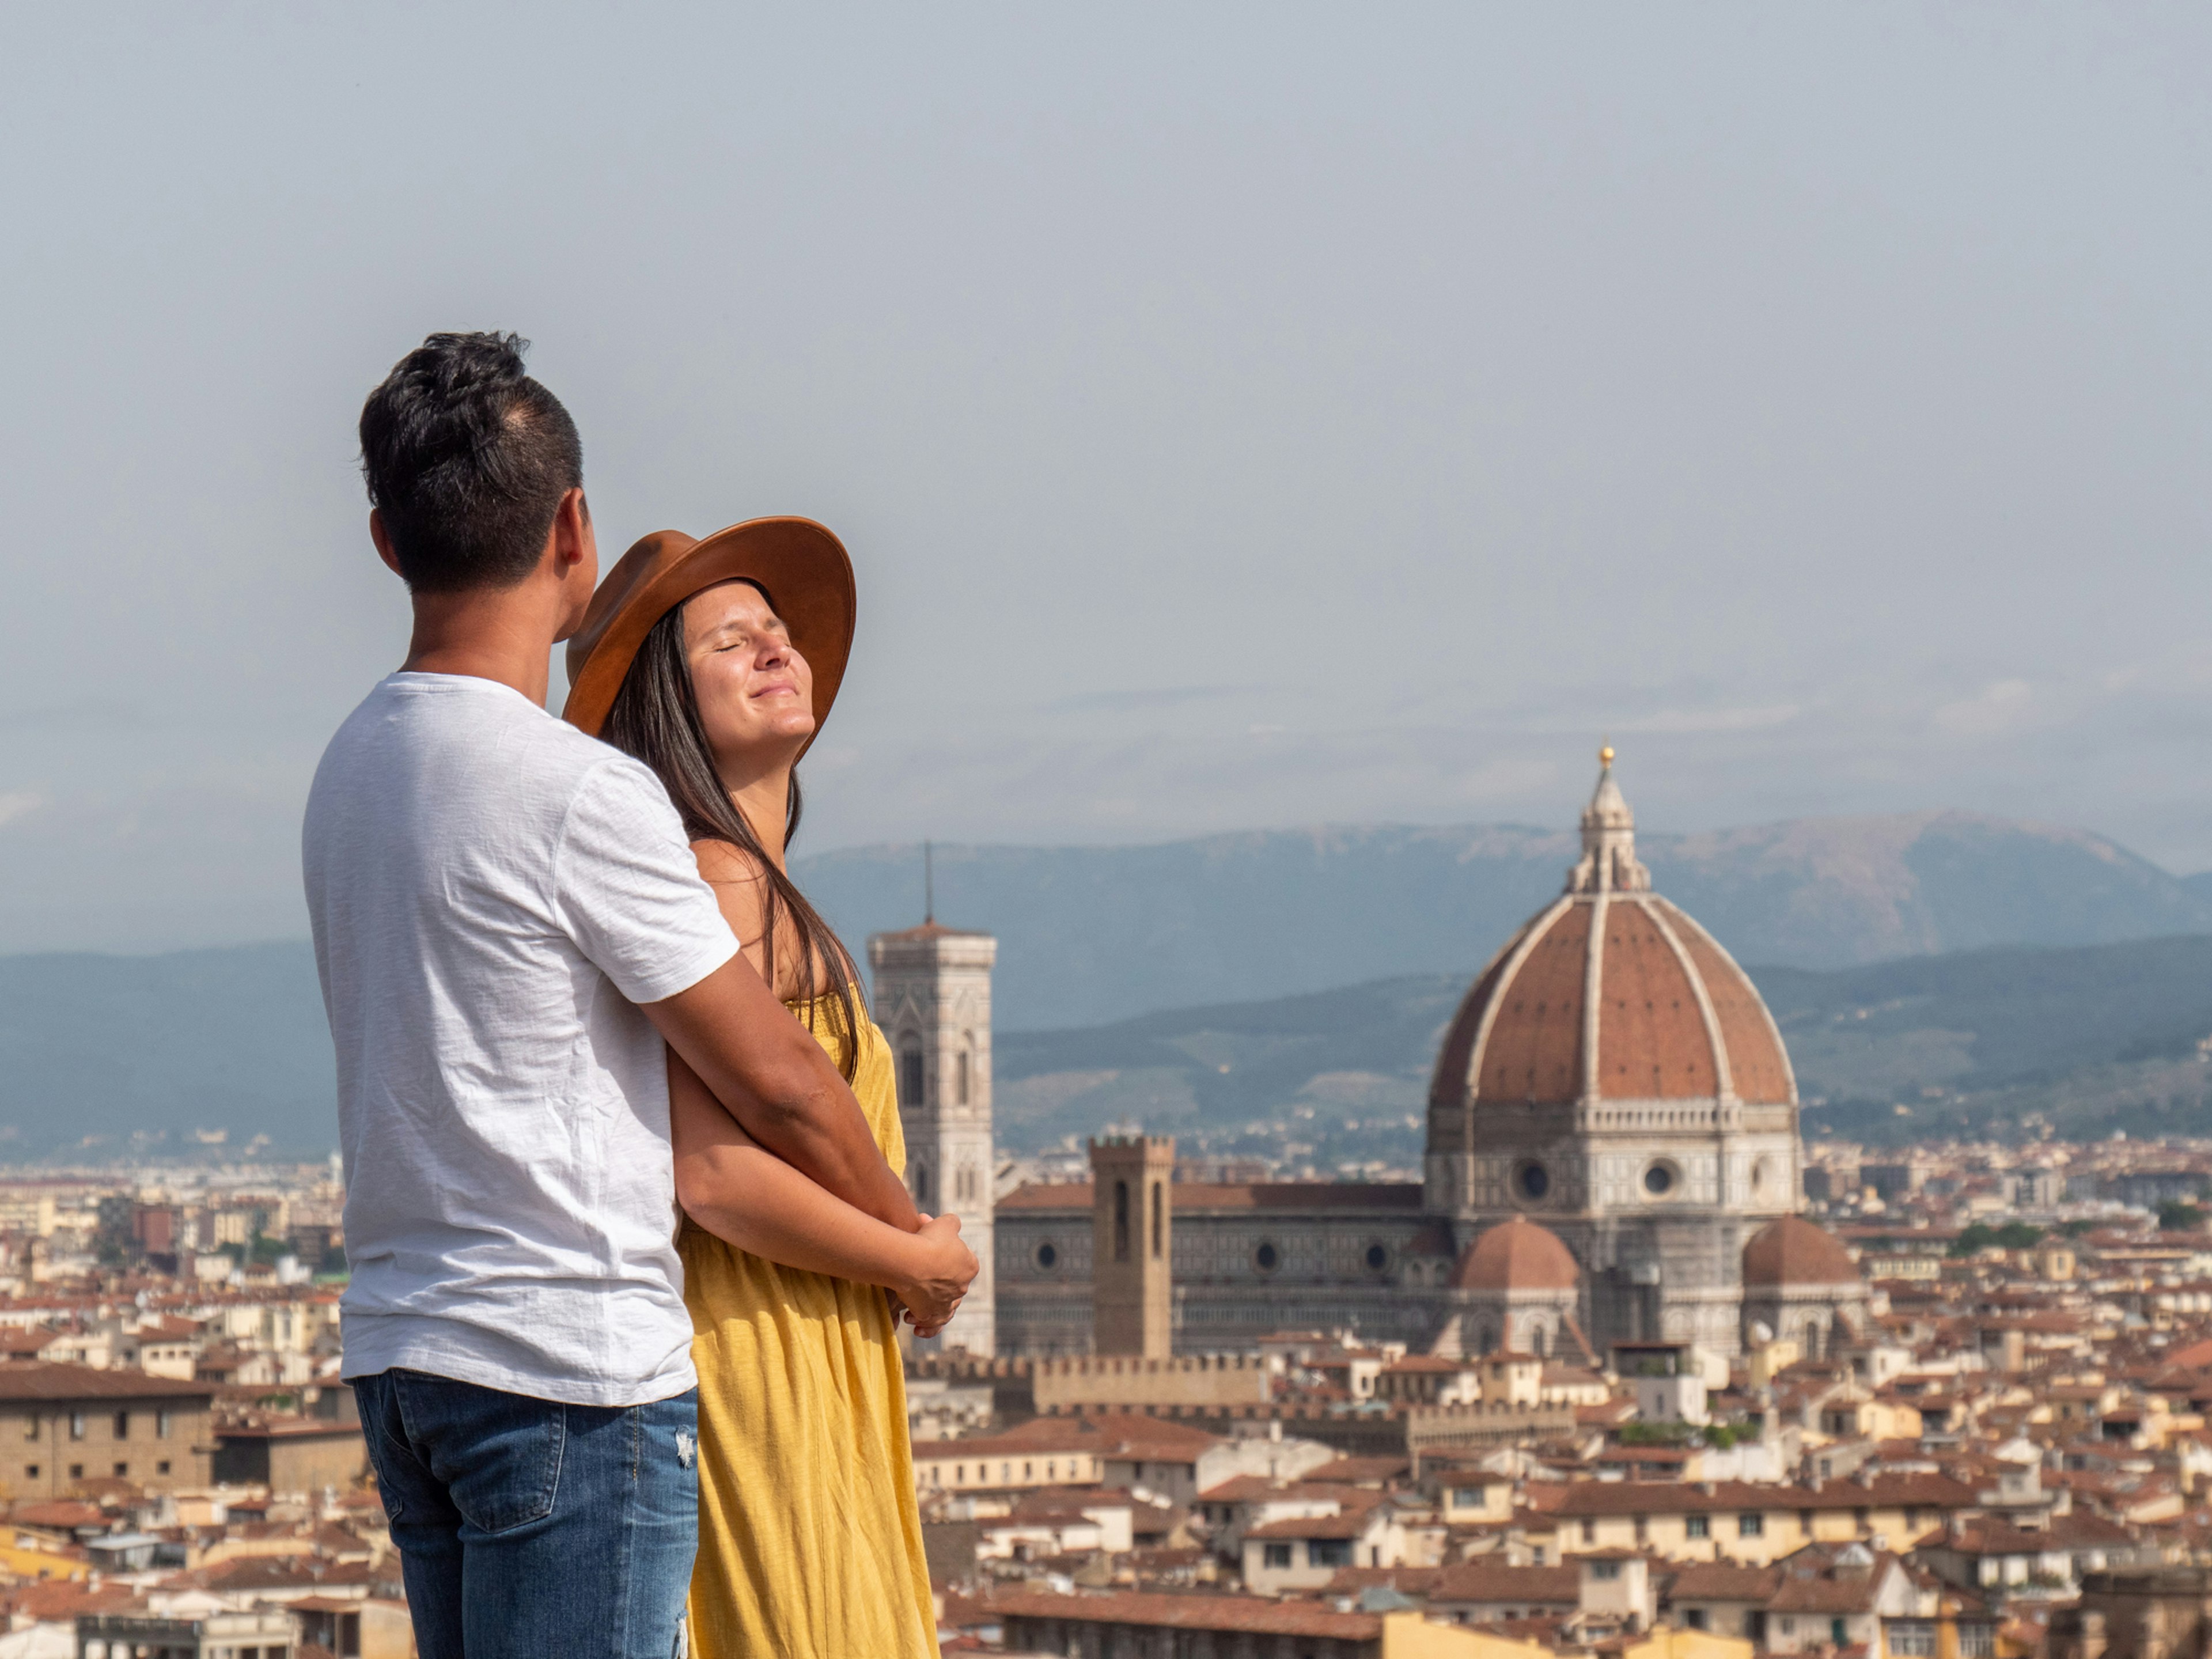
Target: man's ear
x,y
572,541
382,537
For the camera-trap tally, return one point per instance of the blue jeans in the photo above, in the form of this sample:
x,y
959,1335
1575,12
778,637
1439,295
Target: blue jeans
x,y
528,1530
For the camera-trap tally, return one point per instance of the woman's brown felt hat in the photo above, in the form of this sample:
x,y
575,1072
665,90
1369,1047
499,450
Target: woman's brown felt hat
x,y
797,562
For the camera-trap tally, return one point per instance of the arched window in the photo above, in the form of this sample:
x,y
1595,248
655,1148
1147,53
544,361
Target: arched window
x,y
1121,1221
963,1068
912,1078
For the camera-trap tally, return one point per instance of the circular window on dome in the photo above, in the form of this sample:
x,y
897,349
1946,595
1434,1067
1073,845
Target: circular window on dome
x,y
1047,1256
1266,1258
1378,1257
1534,1180
1661,1180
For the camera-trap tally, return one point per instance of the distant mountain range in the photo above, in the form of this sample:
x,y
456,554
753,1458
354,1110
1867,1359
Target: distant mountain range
x,y
1089,934
2092,1038
1249,942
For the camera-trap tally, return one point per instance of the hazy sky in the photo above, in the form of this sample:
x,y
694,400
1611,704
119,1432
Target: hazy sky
x,y
1239,416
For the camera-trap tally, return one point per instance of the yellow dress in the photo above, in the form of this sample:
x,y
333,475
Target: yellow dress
x,y
810,1540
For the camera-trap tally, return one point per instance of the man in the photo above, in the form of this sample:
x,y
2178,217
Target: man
x,y
508,924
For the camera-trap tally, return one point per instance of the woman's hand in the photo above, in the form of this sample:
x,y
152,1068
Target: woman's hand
x,y
936,1271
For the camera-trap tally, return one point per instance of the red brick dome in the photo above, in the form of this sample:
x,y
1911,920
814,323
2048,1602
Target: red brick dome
x,y
1671,1018
1793,1251
1516,1255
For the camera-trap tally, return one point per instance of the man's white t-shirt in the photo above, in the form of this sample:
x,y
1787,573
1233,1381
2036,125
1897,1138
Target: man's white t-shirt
x,y
492,893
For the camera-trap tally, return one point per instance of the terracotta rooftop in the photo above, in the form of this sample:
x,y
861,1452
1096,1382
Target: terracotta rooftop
x,y
1255,1614
1793,1251
1516,1255
38,1380
1292,1195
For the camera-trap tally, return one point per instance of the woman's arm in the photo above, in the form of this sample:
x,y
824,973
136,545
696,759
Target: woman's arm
x,y
739,1191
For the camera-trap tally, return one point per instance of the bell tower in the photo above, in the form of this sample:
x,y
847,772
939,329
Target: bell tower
x,y
1133,1246
932,998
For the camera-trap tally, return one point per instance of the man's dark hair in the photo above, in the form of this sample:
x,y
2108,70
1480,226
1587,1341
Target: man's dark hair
x,y
468,459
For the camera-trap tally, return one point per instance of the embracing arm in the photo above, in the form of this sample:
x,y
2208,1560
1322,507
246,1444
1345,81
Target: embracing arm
x,y
781,1086
739,1191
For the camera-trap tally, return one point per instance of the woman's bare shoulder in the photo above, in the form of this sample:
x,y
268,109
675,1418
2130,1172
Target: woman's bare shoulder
x,y
739,887
724,862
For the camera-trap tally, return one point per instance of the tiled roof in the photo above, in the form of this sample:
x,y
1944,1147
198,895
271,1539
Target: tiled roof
x,y
54,1381
1598,1498
1253,1614
1489,1582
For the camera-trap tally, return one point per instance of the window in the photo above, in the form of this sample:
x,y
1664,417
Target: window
x,y
1536,1555
1750,1526
30,1471
161,1468
30,1428
123,1425
122,1471
1695,1618
1047,1256
1837,1633
1911,1638
962,1065
1029,1471
1659,1181
1266,1258
921,1184
1121,1221
76,1471
1328,1552
1696,1526
1277,1555
1589,1532
911,1076
1535,1180
1977,1641
160,1425
76,1425
1643,1530
1378,1258
1604,1570
1159,1217
1467,1498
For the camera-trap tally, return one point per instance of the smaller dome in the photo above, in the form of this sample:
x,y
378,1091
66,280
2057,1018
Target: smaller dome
x,y
1516,1255
1793,1251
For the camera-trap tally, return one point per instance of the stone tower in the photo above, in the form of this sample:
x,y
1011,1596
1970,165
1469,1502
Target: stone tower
x,y
1133,1246
932,998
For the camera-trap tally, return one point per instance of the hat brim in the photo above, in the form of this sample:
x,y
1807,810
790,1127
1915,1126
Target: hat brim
x,y
803,568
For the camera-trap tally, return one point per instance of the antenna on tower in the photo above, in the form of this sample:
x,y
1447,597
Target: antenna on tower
x,y
928,883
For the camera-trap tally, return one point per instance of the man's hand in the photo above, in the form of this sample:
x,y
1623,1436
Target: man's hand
x,y
937,1276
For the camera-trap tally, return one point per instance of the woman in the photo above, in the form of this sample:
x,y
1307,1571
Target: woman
x,y
714,662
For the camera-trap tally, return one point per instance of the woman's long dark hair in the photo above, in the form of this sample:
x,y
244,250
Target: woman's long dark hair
x,y
655,717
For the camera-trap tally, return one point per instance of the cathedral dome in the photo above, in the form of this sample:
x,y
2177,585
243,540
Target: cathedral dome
x,y
1793,1251
1611,994
1515,1256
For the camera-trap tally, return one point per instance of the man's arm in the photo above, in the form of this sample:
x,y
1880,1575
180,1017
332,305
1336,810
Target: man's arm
x,y
741,1192
781,1087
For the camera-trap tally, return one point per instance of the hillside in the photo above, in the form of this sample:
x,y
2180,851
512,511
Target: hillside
x,y
1968,1041
1088,934
113,1053
1248,941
